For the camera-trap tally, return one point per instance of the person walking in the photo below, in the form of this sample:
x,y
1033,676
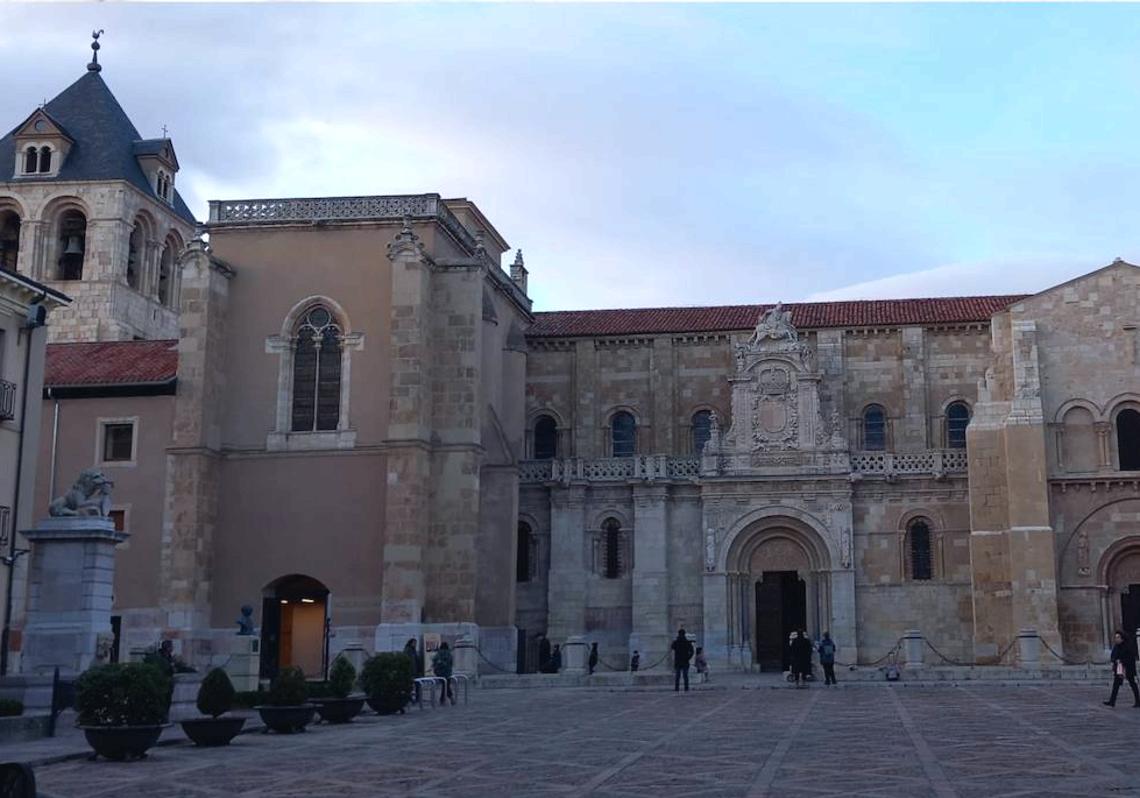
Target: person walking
x,y
1123,667
827,649
593,661
682,653
635,661
801,658
701,664
417,666
543,654
441,667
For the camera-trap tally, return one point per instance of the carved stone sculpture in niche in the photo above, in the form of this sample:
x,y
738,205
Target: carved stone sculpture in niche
x,y
710,549
1083,553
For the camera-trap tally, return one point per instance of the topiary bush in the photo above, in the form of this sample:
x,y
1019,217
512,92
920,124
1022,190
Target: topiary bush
x,y
248,699
342,676
216,694
124,694
288,688
10,708
387,680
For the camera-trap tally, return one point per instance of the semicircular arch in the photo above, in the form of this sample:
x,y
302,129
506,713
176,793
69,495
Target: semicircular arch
x,y
756,527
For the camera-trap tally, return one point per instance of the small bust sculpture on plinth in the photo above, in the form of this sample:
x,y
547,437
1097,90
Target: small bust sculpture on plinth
x,y
89,496
245,622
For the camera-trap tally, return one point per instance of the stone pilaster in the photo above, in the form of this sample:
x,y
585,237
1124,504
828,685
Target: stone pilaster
x,y
587,439
650,572
662,382
568,567
911,430
193,463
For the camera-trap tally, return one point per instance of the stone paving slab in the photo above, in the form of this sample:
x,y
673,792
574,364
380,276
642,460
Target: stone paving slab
x,y
884,742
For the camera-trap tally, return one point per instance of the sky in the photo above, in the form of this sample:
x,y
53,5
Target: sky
x,y
645,155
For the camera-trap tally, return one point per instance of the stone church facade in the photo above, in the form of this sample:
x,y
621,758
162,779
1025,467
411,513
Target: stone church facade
x,y
345,413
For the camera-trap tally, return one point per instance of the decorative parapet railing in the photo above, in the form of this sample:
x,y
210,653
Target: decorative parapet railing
x,y
891,464
336,209
932,462
7,400
610,469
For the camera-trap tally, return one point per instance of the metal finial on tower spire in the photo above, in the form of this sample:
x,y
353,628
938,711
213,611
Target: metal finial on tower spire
x,y
94,65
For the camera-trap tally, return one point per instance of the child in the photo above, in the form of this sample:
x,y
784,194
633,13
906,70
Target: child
x,y
702,665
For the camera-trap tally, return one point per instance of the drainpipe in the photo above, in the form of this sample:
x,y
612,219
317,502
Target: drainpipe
x,y
34,320
54,442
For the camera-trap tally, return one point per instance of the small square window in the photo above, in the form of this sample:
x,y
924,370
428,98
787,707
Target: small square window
x,y
118,442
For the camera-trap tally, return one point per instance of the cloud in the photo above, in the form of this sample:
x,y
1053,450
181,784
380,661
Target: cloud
x,y
1019,275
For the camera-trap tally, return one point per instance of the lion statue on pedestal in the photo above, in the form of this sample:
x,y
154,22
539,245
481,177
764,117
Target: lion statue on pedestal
x,y
90,495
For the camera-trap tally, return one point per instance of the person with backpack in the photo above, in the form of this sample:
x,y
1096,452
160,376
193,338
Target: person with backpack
x,y
682,653
827,649
441,665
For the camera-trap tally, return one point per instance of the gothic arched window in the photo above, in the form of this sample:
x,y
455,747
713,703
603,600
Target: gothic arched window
x,y
45,159
524,554
31,161
611,551
545,438
919,550
957,418
702,430
623,435
316,372
1128,439
874,428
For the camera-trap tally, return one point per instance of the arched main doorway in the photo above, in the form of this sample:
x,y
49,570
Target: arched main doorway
x,y
294,626
778,582
1122,573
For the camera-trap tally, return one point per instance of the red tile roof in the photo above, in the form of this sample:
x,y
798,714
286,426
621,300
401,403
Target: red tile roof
x,y
805,315
111,363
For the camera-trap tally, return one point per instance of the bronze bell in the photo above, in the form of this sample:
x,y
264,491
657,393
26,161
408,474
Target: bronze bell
x,y
74,246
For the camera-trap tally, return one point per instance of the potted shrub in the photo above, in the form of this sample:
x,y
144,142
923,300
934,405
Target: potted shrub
x,y
10,708
215,698
287,709
122,708
340,708
387,682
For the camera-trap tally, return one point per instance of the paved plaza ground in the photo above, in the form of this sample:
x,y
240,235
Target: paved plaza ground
x,y
870,740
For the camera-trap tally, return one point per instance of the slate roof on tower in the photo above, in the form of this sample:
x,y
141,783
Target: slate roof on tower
x,y
104,137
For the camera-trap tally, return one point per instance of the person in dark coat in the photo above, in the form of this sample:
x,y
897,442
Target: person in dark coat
x,y
801,658
413,654
635,661
682,653
555,664
827,650
441,666
593,661
543,653
1123,667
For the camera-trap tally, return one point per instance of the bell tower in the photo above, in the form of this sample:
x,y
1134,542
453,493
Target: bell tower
x,y
89,207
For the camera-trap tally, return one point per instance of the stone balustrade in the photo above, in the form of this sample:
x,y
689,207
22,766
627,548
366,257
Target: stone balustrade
x,y
660,466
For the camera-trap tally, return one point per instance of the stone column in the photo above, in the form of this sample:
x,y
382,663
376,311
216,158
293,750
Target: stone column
x,y
718,640
70,592
911,431
650,577
193,458
1029,649
843,614
566,598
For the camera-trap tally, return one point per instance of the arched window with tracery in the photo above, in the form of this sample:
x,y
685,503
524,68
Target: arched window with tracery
x,y
1128,439
702,430
524,553
957,419
31,161
45,160
623,435
316,372
9,240
920,551
874,428
545,438
611,548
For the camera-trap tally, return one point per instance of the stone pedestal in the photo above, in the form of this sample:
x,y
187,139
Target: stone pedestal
x,y
69,592
244,664
354,652
574,655
466,657
1028,649
912,648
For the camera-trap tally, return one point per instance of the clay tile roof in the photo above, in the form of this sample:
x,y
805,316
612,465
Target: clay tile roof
x,y
805,315
111,363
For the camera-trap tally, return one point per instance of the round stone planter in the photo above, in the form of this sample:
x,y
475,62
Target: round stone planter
x,y
211,732
382,706
339,710
287,720
122,742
